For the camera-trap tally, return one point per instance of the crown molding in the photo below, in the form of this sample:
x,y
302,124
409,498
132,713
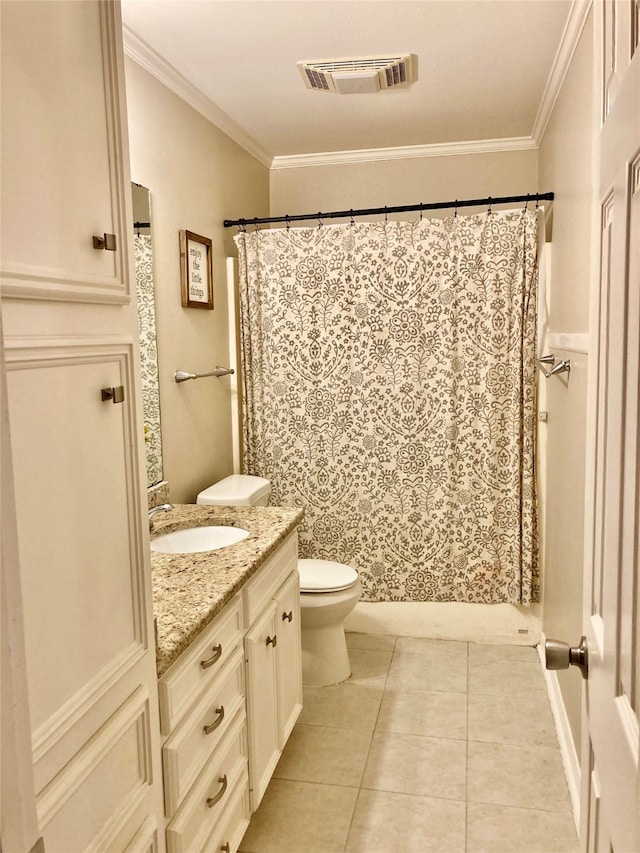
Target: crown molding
x,y
576,20
145,56
407,152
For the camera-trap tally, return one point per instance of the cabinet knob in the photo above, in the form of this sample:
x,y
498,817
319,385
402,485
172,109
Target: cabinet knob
x,y
214,725
287,617
107,242
272,641
114,394
217,654
211,801
226,847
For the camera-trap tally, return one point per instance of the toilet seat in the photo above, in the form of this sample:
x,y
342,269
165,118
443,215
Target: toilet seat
x,y
325,576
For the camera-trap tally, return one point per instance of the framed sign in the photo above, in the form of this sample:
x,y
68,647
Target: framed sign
x,y
196,271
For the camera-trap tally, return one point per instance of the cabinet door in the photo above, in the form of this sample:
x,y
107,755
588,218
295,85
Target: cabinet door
x,y
289,657
89,647
64,136
262,702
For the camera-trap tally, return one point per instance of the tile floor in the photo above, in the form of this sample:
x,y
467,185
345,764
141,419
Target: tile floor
x,y
430,747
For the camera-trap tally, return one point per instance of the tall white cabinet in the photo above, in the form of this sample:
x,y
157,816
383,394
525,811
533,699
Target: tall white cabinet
x,y
75,423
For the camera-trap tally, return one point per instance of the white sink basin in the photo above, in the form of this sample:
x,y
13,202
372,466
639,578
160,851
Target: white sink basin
x,y
192,540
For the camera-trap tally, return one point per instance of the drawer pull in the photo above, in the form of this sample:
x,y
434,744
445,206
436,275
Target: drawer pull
x,y
211,801
272,641
214,725
226,847
217,654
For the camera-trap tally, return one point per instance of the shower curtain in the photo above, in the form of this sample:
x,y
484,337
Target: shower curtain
x,y
389,389
143,257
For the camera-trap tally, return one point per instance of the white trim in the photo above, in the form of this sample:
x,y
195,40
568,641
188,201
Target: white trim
x,y
568,750
571,35
406,152
569,341
151,61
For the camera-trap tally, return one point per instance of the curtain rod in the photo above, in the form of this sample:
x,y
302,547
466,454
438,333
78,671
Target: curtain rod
x,y
404,208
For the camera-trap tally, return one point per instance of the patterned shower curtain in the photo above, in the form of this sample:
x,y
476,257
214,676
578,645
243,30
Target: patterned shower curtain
x,y
143,257
389,389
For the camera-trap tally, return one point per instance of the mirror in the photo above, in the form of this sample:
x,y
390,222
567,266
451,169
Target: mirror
x,y
143,257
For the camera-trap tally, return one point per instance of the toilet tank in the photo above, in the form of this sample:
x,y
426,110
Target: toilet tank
x,y
237,490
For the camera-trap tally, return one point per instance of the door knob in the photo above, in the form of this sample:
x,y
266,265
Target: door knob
x,y
561,655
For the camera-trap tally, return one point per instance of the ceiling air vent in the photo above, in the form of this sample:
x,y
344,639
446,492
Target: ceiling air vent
x,y
359,75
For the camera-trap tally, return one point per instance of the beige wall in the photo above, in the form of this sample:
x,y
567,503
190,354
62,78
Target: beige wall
x,y
565,166
197,177
308,189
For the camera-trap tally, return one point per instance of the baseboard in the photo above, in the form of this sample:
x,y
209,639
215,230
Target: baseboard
x,y
568,752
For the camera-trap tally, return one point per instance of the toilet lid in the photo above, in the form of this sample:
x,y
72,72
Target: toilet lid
x,y
325,576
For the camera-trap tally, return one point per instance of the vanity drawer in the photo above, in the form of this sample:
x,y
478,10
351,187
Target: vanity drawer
x,y
188,749
232,824
210,795
265,583
196,669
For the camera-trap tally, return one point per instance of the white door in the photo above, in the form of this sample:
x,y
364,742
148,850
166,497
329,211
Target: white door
x,y
610,803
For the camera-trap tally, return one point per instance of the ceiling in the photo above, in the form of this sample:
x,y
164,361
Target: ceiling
x,y
486,68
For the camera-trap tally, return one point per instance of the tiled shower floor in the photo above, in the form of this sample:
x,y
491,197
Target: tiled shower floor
x,y
430,747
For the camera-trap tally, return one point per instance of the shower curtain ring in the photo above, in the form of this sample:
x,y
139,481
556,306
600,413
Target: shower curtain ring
x,y
386,217
319,220
489,210
421,209
526,203
455,210
352,223
286,219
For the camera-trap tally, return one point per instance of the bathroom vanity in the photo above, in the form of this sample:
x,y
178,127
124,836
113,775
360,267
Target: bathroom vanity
x,y
229,667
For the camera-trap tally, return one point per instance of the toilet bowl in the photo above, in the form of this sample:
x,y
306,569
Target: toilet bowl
x,y
328,590
328,593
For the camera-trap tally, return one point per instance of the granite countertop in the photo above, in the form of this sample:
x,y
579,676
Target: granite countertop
x,y
189,590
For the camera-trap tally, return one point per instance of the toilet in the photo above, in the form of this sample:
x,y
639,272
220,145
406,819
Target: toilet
x,y
328,590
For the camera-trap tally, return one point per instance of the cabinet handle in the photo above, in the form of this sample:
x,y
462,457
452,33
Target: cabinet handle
x,y
107,241
214,725
116,395
226,847
217,653
211,801
287,616
272,641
